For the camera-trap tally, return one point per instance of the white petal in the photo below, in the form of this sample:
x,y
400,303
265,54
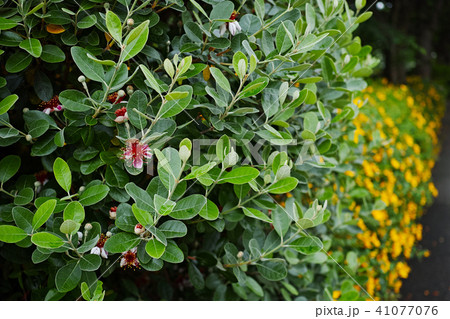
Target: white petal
x,y
104,254
232,28
223,28
95,250
122,262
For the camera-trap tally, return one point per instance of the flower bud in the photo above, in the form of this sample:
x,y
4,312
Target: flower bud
x,y
185,153
28,138
121,93
25,110
80,235
37,184
240,254
81,189
81,79
88,226
113,213
130,89
108,234
130,22
106,6
139,229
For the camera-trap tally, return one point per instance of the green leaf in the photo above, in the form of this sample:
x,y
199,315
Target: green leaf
x,y
9,165
18,62
90,262
210,211
254,286
142,199
43,213
174,107
150,78
221,80
163,205
196,277
69,227
89,68
240,175
6,24
199,7
62,174
173,229
271,270
173,253
284,38
237,57
47,240
139,102
87,22
311,122
52,54
85,292
93,195
364,17
142,216
114,26
135,41
188,207
176,95
254,213
222,10
121,242
32,46
283,186
7,103
68,276
193,31
281,221
307,245
116,176
74,100
155,248
24,196
23,218
254,87
11,234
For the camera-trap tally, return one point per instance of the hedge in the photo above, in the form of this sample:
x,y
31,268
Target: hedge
x,y
210,149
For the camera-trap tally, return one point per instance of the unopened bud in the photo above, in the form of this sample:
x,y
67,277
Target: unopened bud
x,y
25,110
240,254
106,6
37,184
121,93
113,213
130,89
80,235
130,22
28,138
108,234
88,226
81,189
81,79
139,229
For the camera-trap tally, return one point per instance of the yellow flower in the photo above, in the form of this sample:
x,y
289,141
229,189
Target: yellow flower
x,y
336,294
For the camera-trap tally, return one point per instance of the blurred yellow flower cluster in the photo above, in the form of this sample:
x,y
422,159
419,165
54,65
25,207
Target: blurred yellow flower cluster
x,y
397,133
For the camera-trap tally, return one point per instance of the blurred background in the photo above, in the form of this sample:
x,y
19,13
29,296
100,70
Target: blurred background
x,y
412,38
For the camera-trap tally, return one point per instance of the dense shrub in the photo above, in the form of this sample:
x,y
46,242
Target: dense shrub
x,y
191,143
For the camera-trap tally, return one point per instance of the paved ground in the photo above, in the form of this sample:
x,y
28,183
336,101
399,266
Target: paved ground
x,y
430,278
